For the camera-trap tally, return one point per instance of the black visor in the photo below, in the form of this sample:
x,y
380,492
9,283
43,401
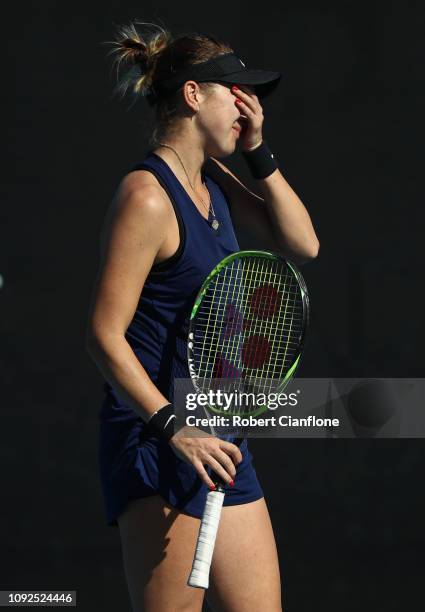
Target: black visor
x,y
226,68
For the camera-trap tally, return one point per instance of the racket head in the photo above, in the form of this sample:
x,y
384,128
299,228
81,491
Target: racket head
x,y
248,324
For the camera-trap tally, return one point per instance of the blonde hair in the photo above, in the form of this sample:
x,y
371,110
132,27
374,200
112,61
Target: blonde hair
x,y
152,52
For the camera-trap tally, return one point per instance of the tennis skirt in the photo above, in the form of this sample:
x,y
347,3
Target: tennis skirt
x,y
134,464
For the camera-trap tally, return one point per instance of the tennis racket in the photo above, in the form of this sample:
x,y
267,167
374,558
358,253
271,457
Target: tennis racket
x,y
246,332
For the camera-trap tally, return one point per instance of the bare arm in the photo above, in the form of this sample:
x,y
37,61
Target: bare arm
x,y
278,222
289,218
132,235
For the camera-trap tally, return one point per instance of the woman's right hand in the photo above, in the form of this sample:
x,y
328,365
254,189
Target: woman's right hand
x,y
199,448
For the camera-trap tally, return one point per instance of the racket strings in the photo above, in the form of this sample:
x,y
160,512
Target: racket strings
x,y
249,321
281,286
264,321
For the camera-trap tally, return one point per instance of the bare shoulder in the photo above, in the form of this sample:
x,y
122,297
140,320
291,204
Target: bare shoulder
x,y
141,189
139,210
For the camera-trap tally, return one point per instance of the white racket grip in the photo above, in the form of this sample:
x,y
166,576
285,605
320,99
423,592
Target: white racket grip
x,y
199,576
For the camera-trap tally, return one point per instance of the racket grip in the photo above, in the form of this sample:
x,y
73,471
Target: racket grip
x,y
199,575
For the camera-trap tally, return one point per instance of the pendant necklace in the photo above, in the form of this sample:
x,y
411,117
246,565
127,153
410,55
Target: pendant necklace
x,y
214,223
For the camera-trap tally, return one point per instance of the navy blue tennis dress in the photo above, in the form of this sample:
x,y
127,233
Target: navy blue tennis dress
x,y
133,463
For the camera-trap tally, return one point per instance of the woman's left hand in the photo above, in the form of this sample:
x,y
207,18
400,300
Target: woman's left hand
x,y
251,118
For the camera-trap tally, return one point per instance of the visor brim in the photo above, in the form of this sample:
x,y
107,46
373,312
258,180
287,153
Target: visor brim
x,y
263,81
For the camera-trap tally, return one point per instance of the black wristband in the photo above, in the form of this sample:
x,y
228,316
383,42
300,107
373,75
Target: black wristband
x,y
260,161
164,423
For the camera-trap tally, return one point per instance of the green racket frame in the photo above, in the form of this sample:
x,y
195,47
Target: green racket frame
x,y
198,301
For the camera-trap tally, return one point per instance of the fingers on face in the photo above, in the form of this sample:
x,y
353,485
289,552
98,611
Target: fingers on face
x,y
247,100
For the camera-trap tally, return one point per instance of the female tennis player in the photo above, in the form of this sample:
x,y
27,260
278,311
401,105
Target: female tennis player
x,y
174,216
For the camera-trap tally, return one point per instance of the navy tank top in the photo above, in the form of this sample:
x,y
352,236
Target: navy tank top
x,y
159,328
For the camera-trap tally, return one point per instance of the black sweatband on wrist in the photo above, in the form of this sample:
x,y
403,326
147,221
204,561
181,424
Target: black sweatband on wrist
x,y
260,161
164,423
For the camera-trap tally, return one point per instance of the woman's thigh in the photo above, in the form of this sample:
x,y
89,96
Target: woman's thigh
x,y
245,573
158,544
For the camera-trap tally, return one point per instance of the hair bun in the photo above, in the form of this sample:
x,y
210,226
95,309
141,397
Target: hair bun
x,y
141,50
134,51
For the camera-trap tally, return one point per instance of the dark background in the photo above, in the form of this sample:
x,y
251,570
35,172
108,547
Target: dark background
x,y
346,127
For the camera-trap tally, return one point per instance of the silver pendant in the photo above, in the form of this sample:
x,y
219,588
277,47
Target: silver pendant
x,y
215,224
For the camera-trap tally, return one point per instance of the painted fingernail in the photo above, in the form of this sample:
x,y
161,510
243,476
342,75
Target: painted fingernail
x,y
212,487
234,88
238,101
232,483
